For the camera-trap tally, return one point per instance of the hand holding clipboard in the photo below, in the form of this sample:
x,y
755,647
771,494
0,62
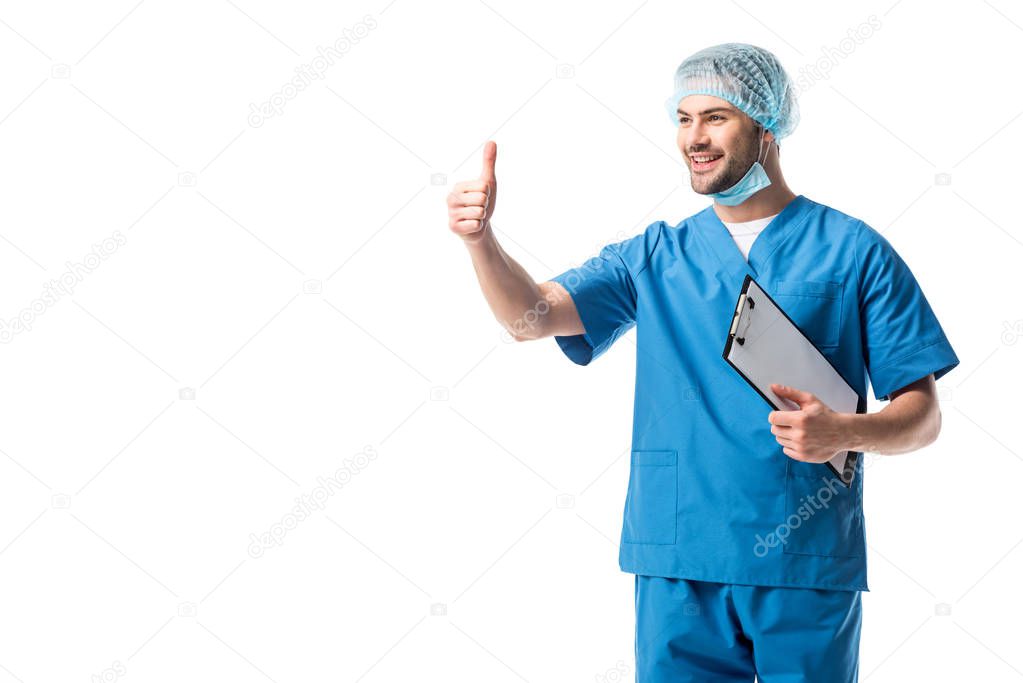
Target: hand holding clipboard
x,y
766,347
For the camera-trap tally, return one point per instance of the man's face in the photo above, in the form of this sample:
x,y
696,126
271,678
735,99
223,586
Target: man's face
x,y
718,142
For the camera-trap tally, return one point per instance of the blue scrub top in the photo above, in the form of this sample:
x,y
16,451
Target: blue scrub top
x,y
711,494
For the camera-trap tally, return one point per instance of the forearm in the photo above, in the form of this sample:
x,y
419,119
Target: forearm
x,y
910,421
514,297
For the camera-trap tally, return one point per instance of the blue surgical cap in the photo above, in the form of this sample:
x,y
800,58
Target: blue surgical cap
x,y
748,77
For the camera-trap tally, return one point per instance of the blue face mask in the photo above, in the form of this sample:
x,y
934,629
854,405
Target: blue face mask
x,y
755,180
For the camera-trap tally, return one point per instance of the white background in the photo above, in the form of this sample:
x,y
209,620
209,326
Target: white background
x,y
300,278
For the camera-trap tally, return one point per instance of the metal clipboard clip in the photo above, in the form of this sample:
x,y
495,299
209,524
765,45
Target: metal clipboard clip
x,y
740,309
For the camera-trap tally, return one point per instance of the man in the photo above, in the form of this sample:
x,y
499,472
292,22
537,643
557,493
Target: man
x,y
749,554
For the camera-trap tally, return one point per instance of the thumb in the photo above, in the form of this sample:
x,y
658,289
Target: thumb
x,y
800,397
489,159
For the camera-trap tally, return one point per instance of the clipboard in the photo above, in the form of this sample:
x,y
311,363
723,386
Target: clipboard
x,y
765,346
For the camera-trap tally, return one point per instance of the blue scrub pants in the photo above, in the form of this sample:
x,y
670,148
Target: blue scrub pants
x,y
718,632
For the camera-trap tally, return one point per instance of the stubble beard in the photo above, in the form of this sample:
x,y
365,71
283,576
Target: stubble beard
x,y
734,168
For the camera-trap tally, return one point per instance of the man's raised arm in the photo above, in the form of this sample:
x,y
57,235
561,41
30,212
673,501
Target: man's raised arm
x,y
527,309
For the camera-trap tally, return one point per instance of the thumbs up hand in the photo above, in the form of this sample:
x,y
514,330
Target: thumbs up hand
x,y
471,203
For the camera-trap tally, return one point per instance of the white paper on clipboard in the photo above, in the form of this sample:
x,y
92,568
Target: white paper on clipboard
x,y
766,347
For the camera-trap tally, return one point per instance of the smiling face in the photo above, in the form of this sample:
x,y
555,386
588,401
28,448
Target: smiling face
x,y
718,142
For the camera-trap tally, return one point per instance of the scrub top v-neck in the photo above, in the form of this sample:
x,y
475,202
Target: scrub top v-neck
x,y
711,495
745,233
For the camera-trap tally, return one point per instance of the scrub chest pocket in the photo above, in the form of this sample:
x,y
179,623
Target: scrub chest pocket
x,y
652,498
815,306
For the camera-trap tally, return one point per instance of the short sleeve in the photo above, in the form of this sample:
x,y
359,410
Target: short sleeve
x,y
902,338
603,290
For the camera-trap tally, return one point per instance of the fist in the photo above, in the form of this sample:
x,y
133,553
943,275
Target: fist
x,y
471,202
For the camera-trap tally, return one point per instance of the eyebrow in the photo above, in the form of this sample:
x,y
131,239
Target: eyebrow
x,y
708,111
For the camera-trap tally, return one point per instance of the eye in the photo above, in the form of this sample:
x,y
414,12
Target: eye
x,y
717,116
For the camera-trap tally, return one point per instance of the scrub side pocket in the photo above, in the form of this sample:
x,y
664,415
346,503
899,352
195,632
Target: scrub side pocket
x,y
822,516
815,306
652,498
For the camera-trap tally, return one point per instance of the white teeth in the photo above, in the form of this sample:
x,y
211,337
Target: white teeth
x,y
703,160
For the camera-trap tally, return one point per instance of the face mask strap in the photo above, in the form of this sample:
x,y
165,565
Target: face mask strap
x,y
763,131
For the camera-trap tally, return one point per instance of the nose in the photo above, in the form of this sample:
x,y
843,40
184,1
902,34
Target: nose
x,y
694,136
